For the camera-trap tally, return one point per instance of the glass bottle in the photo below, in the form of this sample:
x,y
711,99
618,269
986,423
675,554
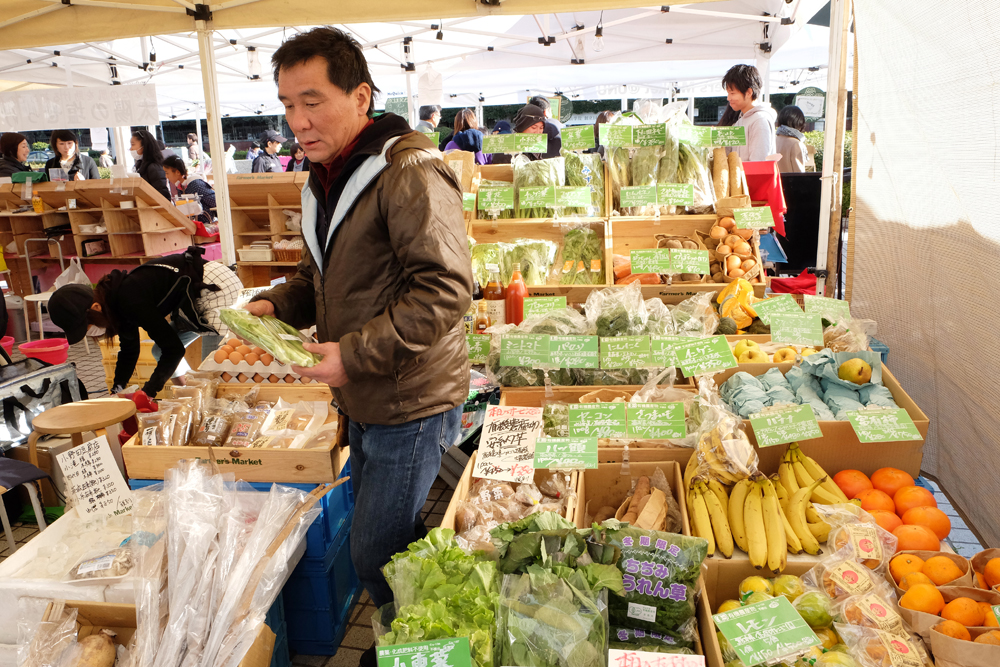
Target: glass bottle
x,y
36,202
494,294
516,291
482,318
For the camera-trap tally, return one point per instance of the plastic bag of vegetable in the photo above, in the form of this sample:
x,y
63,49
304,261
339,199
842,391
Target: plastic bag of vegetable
x,y
661,321
681,640
555,419
508,376
582,257
537,173
278,339
696,317
535,256
617,311
586,170
668,165
484,254
645,169
692,167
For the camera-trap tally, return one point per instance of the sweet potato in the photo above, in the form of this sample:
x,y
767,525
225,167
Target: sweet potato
x,y
622,270
641,278
641,491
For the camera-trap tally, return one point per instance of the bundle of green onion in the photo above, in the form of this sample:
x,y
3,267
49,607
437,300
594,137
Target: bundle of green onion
x,y
278,339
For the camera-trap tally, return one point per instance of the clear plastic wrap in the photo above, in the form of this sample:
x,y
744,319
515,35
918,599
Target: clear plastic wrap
x,y
871,648
841,576
660,321
245,428
537,173
617,311
154,427
723,451
586,170
215,424
876,610
582,257
696,317
197,397
53,636
278,339
693,168
555,419
293,419
855,528
629,638
484,254
535,257
103,564
152,605
848,336
181,417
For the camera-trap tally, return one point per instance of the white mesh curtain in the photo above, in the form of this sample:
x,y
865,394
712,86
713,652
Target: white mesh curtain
x,y
927,233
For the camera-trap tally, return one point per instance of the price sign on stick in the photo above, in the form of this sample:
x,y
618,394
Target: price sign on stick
x,y
638,195
782,303
565,453
729,136
650,135
479,347
600,420
625,352
499,143
653,260
449,652
758,217
704,355
577,138
524,350
662,350
531,143
615,135
542,305
835,310
496,199
536,197
797,329
656,421
507,446
883,425
674,194
782,425
766,631
574,351
468,203
570,197
688,261
95,480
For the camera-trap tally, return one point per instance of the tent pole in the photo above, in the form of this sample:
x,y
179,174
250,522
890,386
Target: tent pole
x,y
197,130
624,98
213,114
409,99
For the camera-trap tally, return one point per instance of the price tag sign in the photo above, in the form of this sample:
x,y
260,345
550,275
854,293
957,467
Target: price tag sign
x,y
94,478
625,352
435,137
782,303
531,143
688,261
883,425
649,135
784,425
704,355
598,420
543,305
496,199
507,445
570,197
625,658
753,218
499,143
468,202
574,351
565,453
638,195
729,136
674,194
656,421
654,260
450,652
694,135
766,631
578,138
524,350
797,329
662,349
615,135
835,310
996,612
479,347
536,197
398,106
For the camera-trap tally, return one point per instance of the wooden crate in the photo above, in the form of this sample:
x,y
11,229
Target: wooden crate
x,y
305,466
257,202
608,484
535,397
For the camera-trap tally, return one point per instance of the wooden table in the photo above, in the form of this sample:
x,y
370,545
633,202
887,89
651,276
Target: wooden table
x,y
75,419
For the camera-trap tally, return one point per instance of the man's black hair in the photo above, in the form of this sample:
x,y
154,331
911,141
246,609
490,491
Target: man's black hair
x,y
743,78
791,116
428,110
540,102
176,163
346,67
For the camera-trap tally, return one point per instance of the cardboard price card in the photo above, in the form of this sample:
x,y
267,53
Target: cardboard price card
x,y
704,355
653,260
656,421
599,420
797,329
650,135
784,425
446,652
524,350
496,199
543,305
536,197
766,631
758,217
883,425
578,138
729,136
675,194
507,445
479,347
570,197
625,352
574,351
94,478
782,303
565,453
835,310
688,261
626,658
638,195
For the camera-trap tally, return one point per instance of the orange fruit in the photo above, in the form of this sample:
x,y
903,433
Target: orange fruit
x,y
991,637
905,564
941,570
890,480
965,611
992,572
873,499
922,597
953,629
931,517
886,520
852,482
914,578
980,581
989,618
916,538
909,497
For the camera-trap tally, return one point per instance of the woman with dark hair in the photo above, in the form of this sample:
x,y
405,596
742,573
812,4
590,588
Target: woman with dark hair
x,y
78,167
790,141
602,118
728,117
299,161
14,151
467,136
149,161
177,175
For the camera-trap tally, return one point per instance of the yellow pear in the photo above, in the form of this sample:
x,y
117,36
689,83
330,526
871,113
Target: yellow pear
x,y
806,351
784,354
855,370
743,346
753,355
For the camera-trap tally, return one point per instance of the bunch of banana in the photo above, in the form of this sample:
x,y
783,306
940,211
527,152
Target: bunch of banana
x,y
707,502
798,471
758,524
728,463
804,522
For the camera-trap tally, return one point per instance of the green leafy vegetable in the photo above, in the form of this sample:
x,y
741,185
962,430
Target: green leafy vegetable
x,y
535,257
484,254
538,173
586,170
555,420
582,257
278,339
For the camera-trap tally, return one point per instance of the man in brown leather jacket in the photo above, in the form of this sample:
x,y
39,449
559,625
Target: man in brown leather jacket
x,y
386,279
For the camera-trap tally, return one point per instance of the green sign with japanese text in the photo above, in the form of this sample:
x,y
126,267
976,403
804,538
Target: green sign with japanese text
x,y
758,217
496,199
883,425
729,136
574,453
766,631
625,352
479,347
780,303
797,329
704,355
578,138
786,424
440,652
524,350
652,260
656,421
542,305
598,420
574,351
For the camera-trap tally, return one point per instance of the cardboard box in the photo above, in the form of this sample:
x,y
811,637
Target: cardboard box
x,y
609,484
301,466
92,617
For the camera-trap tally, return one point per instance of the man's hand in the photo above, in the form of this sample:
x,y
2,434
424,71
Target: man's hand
x,y
330,371
260,308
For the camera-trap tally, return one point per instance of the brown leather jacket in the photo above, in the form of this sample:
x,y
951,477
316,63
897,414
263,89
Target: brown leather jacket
x,y
394,283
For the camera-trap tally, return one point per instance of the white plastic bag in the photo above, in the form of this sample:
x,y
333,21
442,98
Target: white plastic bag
x,y
73,275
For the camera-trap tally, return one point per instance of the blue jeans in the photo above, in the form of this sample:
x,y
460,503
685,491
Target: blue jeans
x,y
209,342
392,470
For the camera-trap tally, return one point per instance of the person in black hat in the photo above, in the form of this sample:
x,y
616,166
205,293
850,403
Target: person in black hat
x,y
124,301
268,159
531,120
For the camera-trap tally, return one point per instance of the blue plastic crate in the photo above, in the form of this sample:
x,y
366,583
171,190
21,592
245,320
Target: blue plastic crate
x,y
878,346
318,632
324,585
281,656
275,617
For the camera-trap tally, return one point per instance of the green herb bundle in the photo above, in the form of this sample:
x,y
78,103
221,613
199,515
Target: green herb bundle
x,y
586,170
533,174
535,257
278,339
582,257
484,254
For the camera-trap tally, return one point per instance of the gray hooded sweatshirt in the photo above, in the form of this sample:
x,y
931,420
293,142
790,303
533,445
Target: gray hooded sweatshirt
x,y
759,122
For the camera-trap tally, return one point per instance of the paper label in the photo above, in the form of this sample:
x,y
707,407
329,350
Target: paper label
x,y
571,197
496,310
797,329
496,199
625,658
688,261
524,350
574,351
95,480
625,352
543,305
638,195
852,577
149,436
96,564
565,453
284,336
675,194
479,347
704,355
656,421
887,425
835,310
758,217
507,446
864,540
277,420
766,631
882,615
615,135
577,138
457,166
729,136
649,135
782,303
653,260
443,652
791,424
536,197
901,651
599,420
262,442
694,135
642,612
468,202
662,349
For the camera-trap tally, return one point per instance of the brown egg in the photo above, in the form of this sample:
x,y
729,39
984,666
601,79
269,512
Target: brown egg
x,y
258,350
244,350
220,356
718,232
748,264
266,359
289,379
227,349
235,357
305,380
226,377
242,377
251,358
273,378
258,378
742,248
723,249
745,234
234,343
727,223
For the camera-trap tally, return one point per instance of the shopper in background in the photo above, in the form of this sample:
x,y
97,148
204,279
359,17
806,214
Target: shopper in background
x,y
268,159
467,136
790,140
531,120
550,127
14,149
253,151
743,85
430,117
194,147
149,161
106,160
78,167
299,161
602,118
502,127
386,279
177,176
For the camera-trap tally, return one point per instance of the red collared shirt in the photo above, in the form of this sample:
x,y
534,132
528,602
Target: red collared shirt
x,y
328,173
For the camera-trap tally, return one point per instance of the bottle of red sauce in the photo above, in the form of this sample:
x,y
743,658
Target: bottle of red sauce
x,y
516,291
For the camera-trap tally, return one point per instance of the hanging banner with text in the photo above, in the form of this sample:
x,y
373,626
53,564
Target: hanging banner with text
x,y
108,106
